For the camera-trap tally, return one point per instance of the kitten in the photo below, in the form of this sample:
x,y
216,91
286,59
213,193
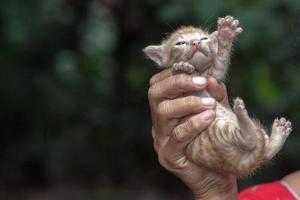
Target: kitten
x,y
233,143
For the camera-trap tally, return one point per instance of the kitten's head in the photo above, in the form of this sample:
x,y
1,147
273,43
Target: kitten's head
x,y
188,44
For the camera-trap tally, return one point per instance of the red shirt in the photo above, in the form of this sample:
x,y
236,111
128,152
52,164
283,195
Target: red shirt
x,y
278,190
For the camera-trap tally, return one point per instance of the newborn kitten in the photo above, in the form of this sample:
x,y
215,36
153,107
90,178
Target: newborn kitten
x,y
233,143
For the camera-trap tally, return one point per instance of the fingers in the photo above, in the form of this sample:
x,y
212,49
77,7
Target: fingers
x,y
184,106
170,112
217,91
184,133
175,86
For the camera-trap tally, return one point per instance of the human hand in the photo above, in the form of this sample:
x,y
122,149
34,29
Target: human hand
x,y
169,104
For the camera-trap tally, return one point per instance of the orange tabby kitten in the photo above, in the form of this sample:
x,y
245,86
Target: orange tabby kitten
x,y
233,143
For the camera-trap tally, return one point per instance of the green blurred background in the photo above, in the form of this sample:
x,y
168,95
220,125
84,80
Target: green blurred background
x,y
74,114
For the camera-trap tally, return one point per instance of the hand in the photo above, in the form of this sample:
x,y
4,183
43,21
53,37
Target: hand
x,y
169,104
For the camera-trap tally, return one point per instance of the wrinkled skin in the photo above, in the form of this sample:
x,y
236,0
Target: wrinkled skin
x,y
169,105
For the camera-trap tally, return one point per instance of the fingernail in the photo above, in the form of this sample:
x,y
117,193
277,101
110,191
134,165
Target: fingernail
x,y
208,115
208,101
198,80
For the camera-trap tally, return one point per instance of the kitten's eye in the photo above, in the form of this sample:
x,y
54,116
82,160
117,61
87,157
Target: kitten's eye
x,y
180,43
204,38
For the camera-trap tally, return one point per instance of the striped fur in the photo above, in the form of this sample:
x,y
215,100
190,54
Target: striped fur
x,y
234,143
223,148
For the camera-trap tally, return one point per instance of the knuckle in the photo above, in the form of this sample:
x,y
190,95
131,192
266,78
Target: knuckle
x,y
181,78
153,80
164,109
172,164
193,100
178,134
180,163
156,145
152,92
192,125
163,161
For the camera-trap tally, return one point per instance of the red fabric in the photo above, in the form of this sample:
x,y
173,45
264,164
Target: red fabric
x,y
270,191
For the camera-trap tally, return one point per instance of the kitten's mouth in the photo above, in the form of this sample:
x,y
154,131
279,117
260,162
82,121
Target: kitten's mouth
x,y
202,51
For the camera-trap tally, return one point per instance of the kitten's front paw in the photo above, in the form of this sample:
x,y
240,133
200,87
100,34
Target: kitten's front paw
x,y
283,126
183,67
228,28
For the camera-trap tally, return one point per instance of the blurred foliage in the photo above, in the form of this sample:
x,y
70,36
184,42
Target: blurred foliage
x,y
74,113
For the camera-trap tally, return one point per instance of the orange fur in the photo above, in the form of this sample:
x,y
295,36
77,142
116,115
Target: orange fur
x,y
234,143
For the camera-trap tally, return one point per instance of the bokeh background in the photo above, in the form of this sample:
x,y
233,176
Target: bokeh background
x,y
74,114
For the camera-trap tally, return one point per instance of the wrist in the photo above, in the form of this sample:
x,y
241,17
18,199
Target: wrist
x,y
224,190
230,195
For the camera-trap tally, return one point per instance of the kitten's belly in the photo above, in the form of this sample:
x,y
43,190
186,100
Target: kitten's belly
x,y
225,116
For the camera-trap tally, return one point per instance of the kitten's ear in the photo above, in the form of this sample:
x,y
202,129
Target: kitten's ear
x,y
154,52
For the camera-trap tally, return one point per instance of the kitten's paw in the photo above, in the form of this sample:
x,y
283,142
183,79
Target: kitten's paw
x,y
239,106
283,126
281,129
183,67
228,28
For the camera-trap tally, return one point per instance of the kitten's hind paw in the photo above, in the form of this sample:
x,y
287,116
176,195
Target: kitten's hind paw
x,y
283,126
239,106
183,67
280,131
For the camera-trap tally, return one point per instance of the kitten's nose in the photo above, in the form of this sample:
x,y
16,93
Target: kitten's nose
x,y
196,43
